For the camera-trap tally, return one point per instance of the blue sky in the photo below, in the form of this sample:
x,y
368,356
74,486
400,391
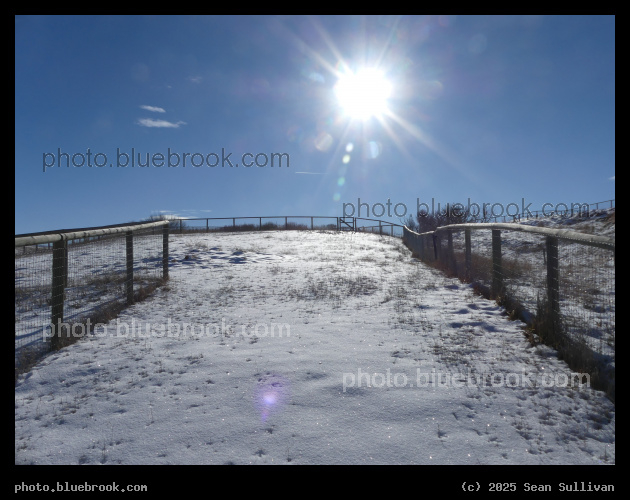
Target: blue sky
x,y
490,109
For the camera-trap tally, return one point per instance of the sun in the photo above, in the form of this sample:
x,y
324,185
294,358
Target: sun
x,y
363,94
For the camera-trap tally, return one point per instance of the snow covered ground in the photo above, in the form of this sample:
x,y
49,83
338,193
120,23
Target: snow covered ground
x,y
308,348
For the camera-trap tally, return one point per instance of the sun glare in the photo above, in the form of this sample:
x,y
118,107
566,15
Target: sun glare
x,y
363,94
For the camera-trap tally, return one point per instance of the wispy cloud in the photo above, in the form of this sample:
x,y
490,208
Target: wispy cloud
x,y
153,108
195,79
165,214
611,178
151,122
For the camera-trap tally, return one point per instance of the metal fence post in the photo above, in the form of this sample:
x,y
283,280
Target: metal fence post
x,y
65,263
59,278
553,278
129,251
426,248
436,245
497,272
451,253
468,257
165,252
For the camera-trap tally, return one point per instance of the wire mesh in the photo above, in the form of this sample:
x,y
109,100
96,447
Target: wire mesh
x,y
325,223
298,223
96,275
33,274
148,257
383,228
524,268
240,224
587,295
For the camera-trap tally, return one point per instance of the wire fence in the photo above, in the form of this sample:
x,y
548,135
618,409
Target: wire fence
x,y
275,223
69,280
561,281
241,224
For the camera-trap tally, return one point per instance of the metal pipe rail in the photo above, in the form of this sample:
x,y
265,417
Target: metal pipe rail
x,y
52,237
593,240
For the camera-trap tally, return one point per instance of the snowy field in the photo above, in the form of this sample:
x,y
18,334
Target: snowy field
x,y
308,348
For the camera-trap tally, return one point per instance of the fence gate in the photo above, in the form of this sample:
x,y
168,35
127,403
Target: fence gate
x,y
347,224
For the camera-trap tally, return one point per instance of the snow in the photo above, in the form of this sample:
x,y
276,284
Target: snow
x,y
308,348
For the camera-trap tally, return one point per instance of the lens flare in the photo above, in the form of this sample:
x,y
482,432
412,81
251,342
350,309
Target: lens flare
x,y
271,394
323,141
374,149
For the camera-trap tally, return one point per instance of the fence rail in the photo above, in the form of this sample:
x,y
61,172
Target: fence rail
x,y
286,222
566,276
77,275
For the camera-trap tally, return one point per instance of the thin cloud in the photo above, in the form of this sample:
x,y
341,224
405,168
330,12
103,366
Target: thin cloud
x,y
611,178
151,122
165,215
153,108
195,79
